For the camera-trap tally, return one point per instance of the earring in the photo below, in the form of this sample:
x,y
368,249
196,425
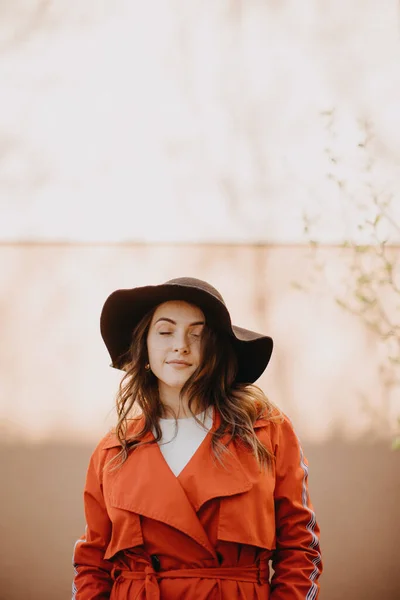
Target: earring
x,y
147,367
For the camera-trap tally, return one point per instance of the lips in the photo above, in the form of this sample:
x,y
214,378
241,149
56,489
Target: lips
x,y
180,363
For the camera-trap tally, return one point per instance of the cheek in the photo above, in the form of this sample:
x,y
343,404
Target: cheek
x,y
158,350
151,351
156,355
197,352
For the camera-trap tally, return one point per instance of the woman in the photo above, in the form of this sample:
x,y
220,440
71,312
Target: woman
x,y
203,481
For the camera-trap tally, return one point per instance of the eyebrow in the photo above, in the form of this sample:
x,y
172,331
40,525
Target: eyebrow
x,y
175,323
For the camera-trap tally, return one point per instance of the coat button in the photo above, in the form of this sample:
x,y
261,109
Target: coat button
x,y
155,562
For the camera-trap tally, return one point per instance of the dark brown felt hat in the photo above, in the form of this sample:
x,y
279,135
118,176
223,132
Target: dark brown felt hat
x,y
123,310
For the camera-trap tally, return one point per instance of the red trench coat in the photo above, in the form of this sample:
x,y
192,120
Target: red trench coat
x,y
208,533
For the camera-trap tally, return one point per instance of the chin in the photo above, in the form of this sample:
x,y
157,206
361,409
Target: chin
x,y
176,383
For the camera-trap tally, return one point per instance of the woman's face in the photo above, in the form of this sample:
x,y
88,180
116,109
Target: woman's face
x,y
174,344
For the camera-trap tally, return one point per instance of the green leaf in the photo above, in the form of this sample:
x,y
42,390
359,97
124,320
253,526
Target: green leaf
x,y
395,360
389,267
396,443
342,304
363,280
364,299
377,219
297,286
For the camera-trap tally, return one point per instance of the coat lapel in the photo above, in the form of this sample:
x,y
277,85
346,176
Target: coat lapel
x,y
205,478
246,512
145,485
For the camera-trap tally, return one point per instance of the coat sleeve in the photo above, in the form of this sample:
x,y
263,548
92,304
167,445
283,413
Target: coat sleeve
x,y
92,574
297,561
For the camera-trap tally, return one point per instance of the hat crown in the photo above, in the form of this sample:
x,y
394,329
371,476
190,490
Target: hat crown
x,y
124,308
199,284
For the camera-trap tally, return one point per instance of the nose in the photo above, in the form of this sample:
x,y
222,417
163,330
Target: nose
x,y
181,344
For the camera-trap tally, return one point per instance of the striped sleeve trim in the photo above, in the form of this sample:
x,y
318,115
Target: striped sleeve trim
x,y
74,588
314,544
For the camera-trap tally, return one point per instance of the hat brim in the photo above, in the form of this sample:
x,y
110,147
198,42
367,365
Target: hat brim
x,y
124,308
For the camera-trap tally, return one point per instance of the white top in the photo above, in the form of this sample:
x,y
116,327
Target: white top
x,y
179,444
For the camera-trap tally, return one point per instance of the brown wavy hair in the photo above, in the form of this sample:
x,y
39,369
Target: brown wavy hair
x,y
212,384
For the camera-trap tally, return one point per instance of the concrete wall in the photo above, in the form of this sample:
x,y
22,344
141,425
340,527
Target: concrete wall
x,y
57,396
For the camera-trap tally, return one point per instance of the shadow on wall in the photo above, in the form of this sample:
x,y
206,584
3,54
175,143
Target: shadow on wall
x,y
354,487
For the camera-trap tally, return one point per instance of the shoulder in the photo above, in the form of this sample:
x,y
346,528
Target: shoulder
x,y
275,426
108,447
270,416
110,440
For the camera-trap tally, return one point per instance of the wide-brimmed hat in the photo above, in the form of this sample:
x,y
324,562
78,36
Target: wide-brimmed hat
x,y
124,308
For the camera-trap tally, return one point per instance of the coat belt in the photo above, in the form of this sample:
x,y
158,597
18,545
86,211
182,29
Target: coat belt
x,y
253,574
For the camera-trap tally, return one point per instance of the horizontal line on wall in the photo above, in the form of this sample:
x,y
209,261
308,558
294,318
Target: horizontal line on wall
x,y
133,244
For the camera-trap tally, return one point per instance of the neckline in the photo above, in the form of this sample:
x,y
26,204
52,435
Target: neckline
x,y
201,416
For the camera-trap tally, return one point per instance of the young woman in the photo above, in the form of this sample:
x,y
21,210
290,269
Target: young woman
x,y
203,481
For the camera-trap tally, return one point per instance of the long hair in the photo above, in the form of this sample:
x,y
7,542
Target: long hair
x,y
212,384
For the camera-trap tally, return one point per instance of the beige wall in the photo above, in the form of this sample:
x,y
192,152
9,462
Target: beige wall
x,y
214,122
57,396
234,109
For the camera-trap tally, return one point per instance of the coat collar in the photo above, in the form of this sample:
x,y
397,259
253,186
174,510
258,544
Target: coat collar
x,y
134,425
146,485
